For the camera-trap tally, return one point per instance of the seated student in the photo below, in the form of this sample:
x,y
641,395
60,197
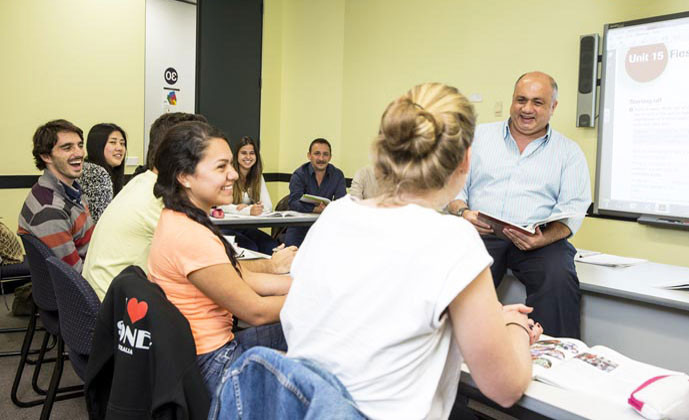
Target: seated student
x,y
364,184
54,210
316,177
393,312
125,230
194,264
250,196
103,176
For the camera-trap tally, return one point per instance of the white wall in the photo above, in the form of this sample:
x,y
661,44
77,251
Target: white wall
x,y
170,43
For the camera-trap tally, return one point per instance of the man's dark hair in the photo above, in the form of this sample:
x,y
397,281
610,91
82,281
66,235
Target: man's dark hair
x,y
321,141
161,126
45,137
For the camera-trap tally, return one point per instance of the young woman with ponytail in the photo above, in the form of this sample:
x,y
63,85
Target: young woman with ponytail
x,y
390,294
195,265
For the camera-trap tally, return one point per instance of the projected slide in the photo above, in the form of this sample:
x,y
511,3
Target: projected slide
x,y
644,161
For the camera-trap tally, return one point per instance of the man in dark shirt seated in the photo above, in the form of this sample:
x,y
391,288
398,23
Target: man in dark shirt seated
x,y
316,177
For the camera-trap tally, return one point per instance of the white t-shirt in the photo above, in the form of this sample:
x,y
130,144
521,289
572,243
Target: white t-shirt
x,y
265,200
368,298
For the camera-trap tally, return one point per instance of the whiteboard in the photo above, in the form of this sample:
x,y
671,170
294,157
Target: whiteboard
x,y
643,138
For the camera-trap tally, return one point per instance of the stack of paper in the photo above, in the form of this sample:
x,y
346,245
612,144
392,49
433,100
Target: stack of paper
x,y
606,260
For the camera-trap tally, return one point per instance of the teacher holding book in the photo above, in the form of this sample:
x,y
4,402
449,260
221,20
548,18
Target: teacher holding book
x,y
523,171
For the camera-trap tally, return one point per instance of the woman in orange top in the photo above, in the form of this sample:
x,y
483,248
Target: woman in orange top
x,y
195,265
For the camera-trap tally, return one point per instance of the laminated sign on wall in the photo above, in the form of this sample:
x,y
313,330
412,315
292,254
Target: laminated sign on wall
x,y
170,94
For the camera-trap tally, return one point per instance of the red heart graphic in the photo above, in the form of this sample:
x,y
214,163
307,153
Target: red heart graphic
x,y
136,309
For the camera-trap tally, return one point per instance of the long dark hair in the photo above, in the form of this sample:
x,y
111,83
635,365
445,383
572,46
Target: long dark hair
x,y
95,145
179,153
252,183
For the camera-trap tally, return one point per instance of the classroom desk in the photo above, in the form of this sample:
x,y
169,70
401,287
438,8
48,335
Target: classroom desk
x,y
307,219
543,401
622,309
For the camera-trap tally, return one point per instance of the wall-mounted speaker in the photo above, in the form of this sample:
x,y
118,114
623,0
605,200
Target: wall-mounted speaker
x,y
588,80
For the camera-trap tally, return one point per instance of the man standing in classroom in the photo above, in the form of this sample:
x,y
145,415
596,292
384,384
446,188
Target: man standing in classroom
x,y
524,171
55,211
316,177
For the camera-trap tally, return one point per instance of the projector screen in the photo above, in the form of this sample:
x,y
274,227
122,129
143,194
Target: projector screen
x,y
643,132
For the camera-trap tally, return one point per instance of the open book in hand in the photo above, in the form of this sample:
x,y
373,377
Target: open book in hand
x,y
570,364
314,199
499,224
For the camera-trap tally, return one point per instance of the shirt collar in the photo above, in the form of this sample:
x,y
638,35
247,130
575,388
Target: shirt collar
x,y
312,171
73,192
506,131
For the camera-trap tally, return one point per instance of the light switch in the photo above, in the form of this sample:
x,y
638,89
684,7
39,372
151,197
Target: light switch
x,y
497,109
132,161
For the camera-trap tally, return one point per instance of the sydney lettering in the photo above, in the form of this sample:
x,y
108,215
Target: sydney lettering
x,y
132,338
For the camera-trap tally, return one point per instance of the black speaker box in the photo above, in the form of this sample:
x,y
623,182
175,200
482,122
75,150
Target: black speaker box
x,y
588,80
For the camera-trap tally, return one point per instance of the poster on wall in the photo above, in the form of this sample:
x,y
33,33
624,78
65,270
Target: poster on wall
x,y
170,98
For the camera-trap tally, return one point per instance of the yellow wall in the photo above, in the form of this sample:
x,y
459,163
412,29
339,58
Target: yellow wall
x,y
329,69
343,61
82,60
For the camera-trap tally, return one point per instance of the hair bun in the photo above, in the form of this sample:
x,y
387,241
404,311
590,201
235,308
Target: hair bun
x,y
408,128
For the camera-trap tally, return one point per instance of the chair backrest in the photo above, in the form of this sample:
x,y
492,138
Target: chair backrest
x,y
282,205
77,305
143,357
42,286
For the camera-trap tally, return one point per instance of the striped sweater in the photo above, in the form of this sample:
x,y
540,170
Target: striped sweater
x,y
64,225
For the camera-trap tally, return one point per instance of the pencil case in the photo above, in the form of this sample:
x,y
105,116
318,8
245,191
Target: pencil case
x,y
662,397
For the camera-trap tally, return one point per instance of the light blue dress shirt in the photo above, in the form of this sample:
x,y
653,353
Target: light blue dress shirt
x,y
551,176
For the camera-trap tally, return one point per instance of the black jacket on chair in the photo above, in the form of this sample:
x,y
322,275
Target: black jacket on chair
x,y
143,358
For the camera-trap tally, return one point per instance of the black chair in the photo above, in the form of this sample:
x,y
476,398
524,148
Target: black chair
x,y
78,307
278,233
143,358
44,298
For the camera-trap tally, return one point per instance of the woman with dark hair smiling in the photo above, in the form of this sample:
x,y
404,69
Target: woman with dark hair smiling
x,y
103,177
195,265
250,196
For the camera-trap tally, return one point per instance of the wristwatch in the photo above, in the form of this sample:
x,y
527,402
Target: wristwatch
x,y
460,212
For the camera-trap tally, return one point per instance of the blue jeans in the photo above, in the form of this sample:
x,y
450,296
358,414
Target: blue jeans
x,y
295,235
214,364
253,239
264,384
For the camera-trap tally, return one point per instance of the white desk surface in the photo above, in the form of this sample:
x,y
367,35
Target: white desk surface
x,y
636,282
265,221
561,404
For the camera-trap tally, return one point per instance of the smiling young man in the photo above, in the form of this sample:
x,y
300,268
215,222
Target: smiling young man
x,y
316,177
524,171
54,210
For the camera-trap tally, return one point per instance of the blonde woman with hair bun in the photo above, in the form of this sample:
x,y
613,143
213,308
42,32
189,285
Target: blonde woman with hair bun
x,y
390,295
